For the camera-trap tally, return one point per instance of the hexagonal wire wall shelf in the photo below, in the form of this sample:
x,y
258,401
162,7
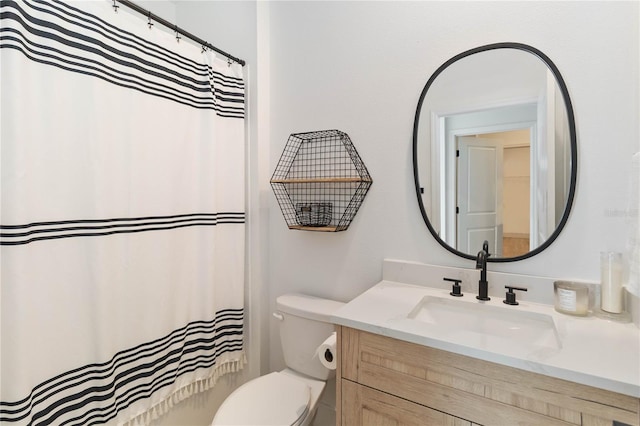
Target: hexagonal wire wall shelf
x,y
320,181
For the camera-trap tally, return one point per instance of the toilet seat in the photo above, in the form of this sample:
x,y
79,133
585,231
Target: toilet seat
x,y
273,399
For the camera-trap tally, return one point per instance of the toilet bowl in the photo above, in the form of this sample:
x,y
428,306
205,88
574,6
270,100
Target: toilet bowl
x,y
288,397
279,398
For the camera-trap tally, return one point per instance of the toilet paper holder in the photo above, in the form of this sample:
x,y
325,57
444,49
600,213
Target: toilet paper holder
x,y
326,352
328,355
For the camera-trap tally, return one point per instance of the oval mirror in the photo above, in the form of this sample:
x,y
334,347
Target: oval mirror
x,y
494,152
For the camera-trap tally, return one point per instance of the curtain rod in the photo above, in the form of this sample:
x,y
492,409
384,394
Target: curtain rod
x,y
169,25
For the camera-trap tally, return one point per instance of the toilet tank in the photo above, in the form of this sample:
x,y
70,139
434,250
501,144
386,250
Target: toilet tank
x,y
305,326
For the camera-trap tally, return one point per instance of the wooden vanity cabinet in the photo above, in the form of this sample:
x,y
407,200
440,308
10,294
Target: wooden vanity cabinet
x,y
385,381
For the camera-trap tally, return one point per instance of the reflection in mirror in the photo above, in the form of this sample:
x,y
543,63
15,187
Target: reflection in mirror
x,y
495,152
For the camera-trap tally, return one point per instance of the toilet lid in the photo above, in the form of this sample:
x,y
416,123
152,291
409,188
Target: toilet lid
x,y
273,399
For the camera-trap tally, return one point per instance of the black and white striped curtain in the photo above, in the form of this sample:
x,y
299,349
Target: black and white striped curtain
x,y
122,216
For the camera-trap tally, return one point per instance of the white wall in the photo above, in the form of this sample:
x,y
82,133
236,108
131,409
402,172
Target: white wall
x,y
360,66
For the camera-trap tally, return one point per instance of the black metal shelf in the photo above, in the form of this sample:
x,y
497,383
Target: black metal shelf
x,y
320,181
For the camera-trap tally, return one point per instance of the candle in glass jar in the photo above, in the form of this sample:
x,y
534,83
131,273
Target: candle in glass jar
x,y
611,282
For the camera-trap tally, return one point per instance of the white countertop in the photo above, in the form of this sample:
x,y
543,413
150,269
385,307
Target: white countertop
x,y
593,352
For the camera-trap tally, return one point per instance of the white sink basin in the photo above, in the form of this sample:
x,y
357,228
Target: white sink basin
x,y
481,321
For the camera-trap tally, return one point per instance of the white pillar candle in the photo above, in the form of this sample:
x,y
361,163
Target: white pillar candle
x,y
611,282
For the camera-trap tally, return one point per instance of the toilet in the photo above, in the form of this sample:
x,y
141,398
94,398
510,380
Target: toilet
x,y
288,397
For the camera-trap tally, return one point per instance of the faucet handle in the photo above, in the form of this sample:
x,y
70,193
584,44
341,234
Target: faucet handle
x,y
510,296
456,290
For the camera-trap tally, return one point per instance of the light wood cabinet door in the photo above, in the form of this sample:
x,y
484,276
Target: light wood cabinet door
x,y
363,406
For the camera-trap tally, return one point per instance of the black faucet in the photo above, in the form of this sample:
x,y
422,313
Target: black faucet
x,y
481,263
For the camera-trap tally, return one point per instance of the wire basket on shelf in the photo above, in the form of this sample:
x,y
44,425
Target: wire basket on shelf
x,y
320,181
313,214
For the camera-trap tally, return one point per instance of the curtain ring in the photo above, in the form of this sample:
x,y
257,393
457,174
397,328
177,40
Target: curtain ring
x,y
115,6
149,23
175,28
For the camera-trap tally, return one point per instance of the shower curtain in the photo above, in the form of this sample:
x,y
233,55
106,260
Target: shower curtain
x,y
122,217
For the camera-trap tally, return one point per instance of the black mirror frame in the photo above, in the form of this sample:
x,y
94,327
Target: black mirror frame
x,y
572,137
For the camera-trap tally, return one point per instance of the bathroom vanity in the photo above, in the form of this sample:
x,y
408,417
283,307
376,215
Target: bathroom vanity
x,y
414,355
386,381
